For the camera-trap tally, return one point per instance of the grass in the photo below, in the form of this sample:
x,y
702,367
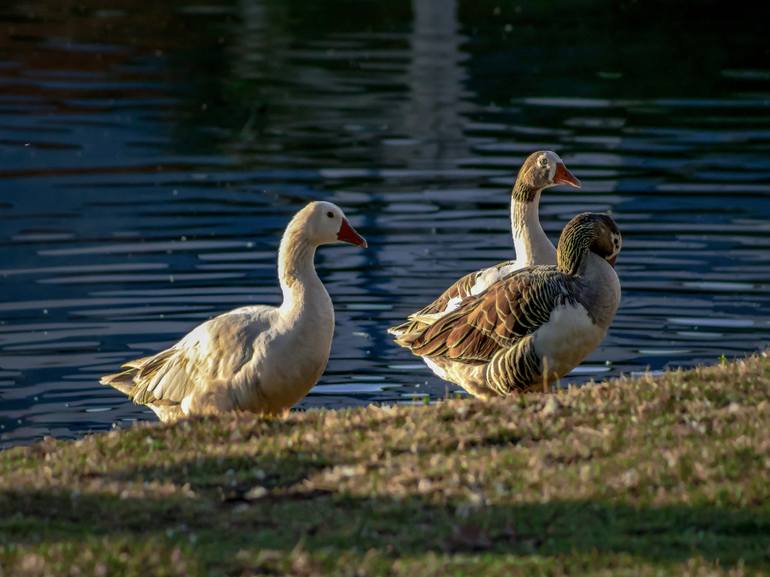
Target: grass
x,y
654,476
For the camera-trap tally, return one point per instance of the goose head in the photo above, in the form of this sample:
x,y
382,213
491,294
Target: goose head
x,y
542,169
589,232
326,223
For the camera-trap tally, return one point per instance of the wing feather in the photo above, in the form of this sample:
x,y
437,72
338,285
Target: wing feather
x,y
215,351
498,318
451,299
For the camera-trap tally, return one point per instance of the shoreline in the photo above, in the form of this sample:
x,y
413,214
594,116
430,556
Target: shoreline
x,y
635,476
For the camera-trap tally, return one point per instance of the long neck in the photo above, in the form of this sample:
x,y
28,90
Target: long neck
x,y
530,241
600,289
573,253
296,270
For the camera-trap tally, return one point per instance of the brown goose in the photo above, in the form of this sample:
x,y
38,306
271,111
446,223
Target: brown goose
x,y
541,170
533,327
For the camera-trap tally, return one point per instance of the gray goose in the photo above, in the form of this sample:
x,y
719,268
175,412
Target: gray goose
x,y
541,170
528,330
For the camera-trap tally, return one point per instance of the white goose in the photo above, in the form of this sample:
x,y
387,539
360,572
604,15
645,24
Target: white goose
x,y
541,170
537,324
261,358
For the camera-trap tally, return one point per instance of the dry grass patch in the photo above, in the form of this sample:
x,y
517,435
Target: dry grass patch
x,y
651,476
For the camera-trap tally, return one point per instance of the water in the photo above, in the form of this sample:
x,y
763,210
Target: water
x,y
152,152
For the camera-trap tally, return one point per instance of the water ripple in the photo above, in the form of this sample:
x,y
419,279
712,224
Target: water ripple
x,y
150,165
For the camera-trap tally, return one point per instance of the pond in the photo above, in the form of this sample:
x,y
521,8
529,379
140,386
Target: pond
x,y
152,153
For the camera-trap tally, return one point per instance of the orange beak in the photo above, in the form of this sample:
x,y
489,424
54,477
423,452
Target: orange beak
x,y
564,176
348,234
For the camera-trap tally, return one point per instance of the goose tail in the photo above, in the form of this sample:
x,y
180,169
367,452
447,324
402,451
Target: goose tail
x,y
122,381
406,333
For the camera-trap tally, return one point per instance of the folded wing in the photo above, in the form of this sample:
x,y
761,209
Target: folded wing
x,y
452,298
215,352
498,318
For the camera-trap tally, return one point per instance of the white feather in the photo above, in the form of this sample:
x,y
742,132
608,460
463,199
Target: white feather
x,y
256,358
568,336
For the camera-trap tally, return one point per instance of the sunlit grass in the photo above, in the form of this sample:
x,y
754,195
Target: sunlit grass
x,y
651,476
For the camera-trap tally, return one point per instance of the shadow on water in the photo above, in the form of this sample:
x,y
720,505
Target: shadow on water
x,y
153,151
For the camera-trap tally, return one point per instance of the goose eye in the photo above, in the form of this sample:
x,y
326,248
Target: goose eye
x,y
330,214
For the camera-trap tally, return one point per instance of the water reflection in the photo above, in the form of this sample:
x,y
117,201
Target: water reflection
x,y
153,152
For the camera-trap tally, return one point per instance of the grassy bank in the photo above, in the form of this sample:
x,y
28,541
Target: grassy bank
x,y
655,476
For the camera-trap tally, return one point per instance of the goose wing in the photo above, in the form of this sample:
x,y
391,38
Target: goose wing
x,y
216,351
453,297
498,318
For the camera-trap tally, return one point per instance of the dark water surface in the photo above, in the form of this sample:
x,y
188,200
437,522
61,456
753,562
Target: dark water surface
x,y
152,152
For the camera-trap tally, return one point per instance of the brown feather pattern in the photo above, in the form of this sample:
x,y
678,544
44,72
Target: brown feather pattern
x,y
514,369
498,318
460,289
496,327
586,232
530,180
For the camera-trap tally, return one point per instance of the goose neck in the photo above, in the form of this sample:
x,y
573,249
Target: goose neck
x,y
296,268
529,240
572,255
